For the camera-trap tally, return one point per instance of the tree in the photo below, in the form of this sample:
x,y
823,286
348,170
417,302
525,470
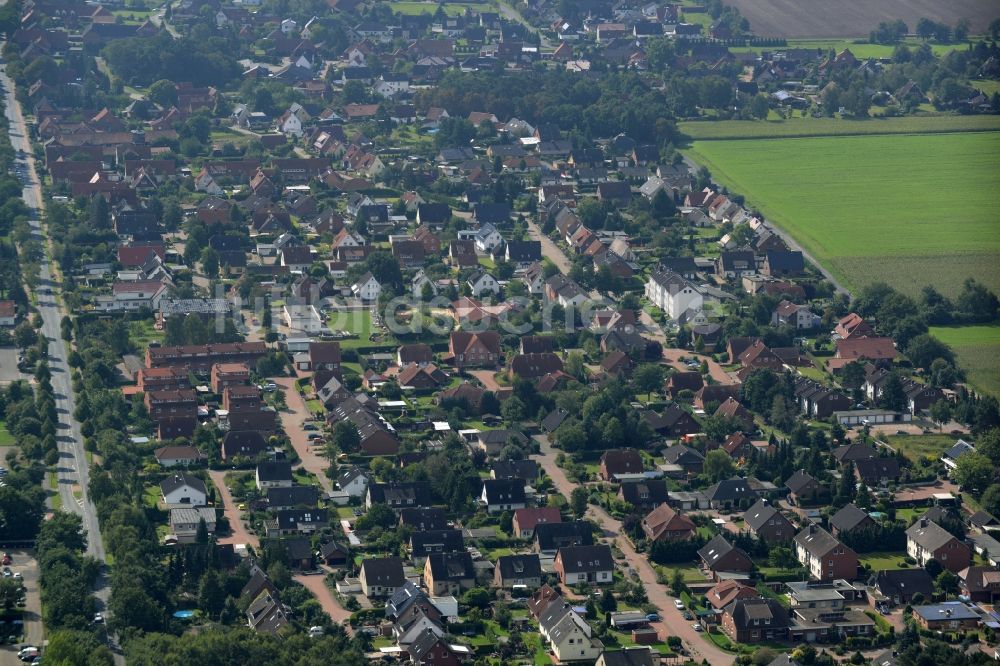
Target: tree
x,y
947,582
718,465
578,500
513,410
345,437
941,412
10,590
384,267
211,593
210,262
677,584
608,602
164,93
648,378
976,303
974,471
760,107
990,500
923,349
892,396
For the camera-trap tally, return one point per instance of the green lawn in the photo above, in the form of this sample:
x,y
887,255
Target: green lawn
x,y
871,207
6,439
977,349
879,561
358,322
920,446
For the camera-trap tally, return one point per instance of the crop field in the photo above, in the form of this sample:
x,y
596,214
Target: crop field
x,y
977,349
861,48
450,8
856,18
908,209
813,127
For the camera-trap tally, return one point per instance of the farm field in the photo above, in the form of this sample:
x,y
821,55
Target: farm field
x,y
870,208
860,48
977,349
450,8
855,18
810,127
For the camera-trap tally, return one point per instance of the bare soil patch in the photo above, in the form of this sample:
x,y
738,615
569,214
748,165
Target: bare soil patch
x,y
856,18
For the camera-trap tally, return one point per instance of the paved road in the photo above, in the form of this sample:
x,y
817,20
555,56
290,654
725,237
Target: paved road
x,y
291,420
550,250
672,624
512,14
672,355
73,473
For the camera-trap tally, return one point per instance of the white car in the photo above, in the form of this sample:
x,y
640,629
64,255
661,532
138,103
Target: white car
x,y
316,632
678,604
697,627
28,653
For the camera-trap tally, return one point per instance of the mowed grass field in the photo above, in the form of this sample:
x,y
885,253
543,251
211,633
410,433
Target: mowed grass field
x,y
450,8
977,349
907,209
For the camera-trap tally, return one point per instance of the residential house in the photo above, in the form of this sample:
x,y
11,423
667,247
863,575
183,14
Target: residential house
x,y
426,542
273,475
501,495
730,493
178,456
951,616
550,537
900,586
664,523
727,591
354,482
718,556
824,555
878,472
522,572
526,519
183,490
804,489
480,282
381,577
449,573
755,621
926,540
767,523
850,518
644,495
799,317
672,293
474,350
367,288
184,522
688,459
585,565
621,462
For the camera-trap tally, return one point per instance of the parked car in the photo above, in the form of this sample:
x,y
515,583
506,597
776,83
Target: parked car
x,y
697,627
678,604
309,426
652,617
6,559
98,618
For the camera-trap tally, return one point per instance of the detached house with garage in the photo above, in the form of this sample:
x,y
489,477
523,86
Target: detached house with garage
x,y
474,350
518,571
183,490
501,495
664,523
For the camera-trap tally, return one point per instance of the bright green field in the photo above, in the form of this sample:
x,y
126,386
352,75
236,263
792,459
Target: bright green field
x,y
910,210
978,352
450,8
809,127
859,50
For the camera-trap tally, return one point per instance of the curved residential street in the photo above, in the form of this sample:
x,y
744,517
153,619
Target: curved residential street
x,y
672,623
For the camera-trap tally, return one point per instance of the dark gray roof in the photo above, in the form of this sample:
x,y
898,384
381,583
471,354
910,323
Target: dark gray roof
x,y
761,512
451,566
731,490
633,656
817,541
292,496
582,559
746,611
519,566
175,481
552,536
848,518
274,471
504,491
526,470
799,480
715,549
401,599
904,582
441,541
928,534
385,571
679,453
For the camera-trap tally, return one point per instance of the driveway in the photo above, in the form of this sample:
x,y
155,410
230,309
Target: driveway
x,y
8,365
324,595
292,419
240,534
487,379
672,624
717,372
